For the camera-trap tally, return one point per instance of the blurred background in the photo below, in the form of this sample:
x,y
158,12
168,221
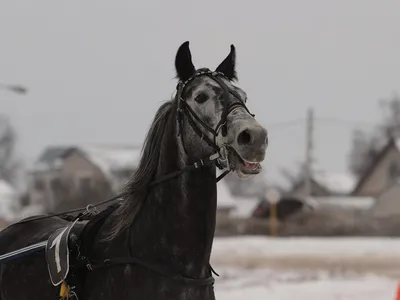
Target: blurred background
x,y
81,81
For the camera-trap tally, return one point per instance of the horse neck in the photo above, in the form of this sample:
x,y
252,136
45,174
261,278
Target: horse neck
x,y
177,221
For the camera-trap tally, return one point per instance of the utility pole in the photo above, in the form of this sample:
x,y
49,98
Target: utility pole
x,y
309,151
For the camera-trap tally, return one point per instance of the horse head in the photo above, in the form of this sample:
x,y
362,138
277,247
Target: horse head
x,y
212,115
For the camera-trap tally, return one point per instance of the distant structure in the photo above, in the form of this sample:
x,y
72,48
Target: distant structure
x,y
382,181
9,204
382,173
62,169
324,184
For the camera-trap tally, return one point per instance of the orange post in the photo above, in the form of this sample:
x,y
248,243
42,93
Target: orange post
x,y
272,219
397,296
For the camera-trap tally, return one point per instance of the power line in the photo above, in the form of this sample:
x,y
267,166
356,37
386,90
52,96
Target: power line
x,y
285,124
333,120
346,122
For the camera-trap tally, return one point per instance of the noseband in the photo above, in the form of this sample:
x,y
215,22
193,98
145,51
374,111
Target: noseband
x,y
184,109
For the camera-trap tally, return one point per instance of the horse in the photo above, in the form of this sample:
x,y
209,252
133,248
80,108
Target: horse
x,y
156,241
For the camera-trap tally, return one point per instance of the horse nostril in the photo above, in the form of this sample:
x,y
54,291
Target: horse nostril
x,y
244,138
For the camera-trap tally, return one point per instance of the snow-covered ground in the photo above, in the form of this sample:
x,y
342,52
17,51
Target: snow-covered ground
x,y
260,268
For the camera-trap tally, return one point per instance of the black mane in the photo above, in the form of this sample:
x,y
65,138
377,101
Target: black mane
x,y
136,189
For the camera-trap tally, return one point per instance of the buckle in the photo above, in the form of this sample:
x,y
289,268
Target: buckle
x,y
91,210
223,159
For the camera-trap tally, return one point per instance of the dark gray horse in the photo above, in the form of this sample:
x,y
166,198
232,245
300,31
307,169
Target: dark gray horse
x,y
158,239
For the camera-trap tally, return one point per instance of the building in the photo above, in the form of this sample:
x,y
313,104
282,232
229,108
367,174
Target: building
x,y
381,181
9,203
326,184
79,169
382,173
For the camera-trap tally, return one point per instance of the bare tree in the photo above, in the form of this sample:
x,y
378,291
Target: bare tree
x,y
363,152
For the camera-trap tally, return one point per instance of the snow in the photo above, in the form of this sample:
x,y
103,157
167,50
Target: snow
x,y
8,201
224,197
359,203
245,207
342,183
241,206
273,287
299,277
253,245
112,158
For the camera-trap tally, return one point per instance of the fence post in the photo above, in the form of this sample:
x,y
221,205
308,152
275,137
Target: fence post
x,y
273,197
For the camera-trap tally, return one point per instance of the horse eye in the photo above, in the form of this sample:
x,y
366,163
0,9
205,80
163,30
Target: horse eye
x,y
201,98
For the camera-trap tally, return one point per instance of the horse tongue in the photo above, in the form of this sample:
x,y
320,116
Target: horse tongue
x,y
250,165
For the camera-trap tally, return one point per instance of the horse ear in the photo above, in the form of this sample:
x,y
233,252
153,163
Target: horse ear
x,y
183,62
227,67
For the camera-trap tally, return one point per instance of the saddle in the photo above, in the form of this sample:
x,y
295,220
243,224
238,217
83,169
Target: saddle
x,y
68,249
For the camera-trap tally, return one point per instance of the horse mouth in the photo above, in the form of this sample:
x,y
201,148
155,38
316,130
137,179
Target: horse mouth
x,y
243,167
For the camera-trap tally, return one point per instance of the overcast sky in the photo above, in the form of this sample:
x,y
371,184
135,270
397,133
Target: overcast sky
x,y
98,70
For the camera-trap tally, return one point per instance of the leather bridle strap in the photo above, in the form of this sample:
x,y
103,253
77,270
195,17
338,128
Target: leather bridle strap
x,y
194,120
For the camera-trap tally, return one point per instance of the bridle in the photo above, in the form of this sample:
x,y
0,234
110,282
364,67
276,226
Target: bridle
x,y
220,157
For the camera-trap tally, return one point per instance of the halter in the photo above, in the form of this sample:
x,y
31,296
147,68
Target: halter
x,y
221,153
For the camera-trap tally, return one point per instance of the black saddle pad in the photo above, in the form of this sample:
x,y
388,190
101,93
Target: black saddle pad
x,y
57,254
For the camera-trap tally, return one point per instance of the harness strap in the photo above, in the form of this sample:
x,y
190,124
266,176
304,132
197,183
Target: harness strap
x,y
132,260
88,236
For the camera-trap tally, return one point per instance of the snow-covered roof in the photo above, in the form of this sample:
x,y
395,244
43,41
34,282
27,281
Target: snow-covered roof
x,y
360,203
112,158
224,197
241,206
8,201
342,183
108,158
245,207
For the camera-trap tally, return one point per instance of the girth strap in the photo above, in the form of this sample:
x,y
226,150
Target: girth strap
x,y
132,260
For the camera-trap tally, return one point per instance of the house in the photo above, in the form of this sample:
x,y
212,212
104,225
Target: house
x,y
382,173
388,203
9,203
285,207
62,169
325,184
